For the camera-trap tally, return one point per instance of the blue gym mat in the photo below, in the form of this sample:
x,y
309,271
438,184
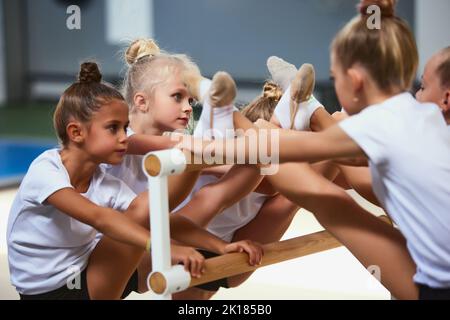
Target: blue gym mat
x,y
16,156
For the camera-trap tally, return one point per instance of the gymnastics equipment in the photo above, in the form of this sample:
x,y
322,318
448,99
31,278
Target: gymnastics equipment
x,y
166,279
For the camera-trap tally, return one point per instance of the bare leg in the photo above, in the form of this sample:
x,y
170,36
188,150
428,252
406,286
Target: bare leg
x,y
360,179
215,197
268,226
112,263
180,186
273,219
370,240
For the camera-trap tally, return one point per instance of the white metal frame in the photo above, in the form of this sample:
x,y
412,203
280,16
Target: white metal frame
x,y
172,162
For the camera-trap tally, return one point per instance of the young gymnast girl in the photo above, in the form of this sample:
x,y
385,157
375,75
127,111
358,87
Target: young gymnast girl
x,y
66,221
435,88
158,88
148,67
407,145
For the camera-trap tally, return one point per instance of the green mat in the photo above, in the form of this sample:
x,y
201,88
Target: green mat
x,y
36,120
27,120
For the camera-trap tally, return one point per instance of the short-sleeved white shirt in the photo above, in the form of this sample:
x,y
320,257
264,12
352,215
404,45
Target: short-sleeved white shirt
x,y
45,244
408,146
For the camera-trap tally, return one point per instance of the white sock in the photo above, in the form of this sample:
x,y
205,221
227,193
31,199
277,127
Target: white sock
x,y
302,118
281,71
223,122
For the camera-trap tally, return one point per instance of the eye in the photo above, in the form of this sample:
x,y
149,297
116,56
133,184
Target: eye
x,y
125,128
192,102
332,79
178,97
112,128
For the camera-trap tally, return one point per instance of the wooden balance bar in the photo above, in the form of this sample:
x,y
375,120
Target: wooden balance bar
x,y
237,263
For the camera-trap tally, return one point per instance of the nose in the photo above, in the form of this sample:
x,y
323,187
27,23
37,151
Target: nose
x,y
187,108
123,138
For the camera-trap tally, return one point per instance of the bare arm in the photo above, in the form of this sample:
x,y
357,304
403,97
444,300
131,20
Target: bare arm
x,y
333,143
108,221
140,144
360,179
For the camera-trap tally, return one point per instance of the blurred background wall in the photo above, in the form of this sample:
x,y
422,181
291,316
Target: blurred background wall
x,y
40,56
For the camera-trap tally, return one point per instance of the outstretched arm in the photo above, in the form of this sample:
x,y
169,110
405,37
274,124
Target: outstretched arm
x,y
140,144
292,146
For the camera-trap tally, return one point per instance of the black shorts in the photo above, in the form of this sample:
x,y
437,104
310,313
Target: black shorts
x,y
427,293
215,285
64,293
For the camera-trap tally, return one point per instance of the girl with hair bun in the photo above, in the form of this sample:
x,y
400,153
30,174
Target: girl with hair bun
x,y
76,232
407,145
159,88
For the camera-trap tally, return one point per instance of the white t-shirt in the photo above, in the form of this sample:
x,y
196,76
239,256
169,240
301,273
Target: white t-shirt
x,y
45,244
408,145
130,170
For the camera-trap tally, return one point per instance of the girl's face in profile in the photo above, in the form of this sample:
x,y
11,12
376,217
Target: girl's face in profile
x,y
431,89
106,140
171,105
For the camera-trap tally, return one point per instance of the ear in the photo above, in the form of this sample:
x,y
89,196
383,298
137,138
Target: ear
x,y
141,102
75,132
356,79
446,101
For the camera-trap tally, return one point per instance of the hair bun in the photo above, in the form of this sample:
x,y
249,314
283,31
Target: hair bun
x,y
141,48
387,7
89,73
272,91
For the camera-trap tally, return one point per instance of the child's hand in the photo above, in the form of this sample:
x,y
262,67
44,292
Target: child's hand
x,y
192,260
254,250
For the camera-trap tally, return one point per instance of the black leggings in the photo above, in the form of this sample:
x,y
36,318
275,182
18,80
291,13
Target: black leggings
x,y
64,293
427,293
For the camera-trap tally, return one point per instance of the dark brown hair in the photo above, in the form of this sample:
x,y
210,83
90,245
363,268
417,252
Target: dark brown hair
x,y
82,99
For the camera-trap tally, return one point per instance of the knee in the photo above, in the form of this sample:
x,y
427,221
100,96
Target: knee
x,y
138,210
212,195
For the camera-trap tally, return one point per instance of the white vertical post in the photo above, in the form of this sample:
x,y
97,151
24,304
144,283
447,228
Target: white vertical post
x,y
160,229
169,162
